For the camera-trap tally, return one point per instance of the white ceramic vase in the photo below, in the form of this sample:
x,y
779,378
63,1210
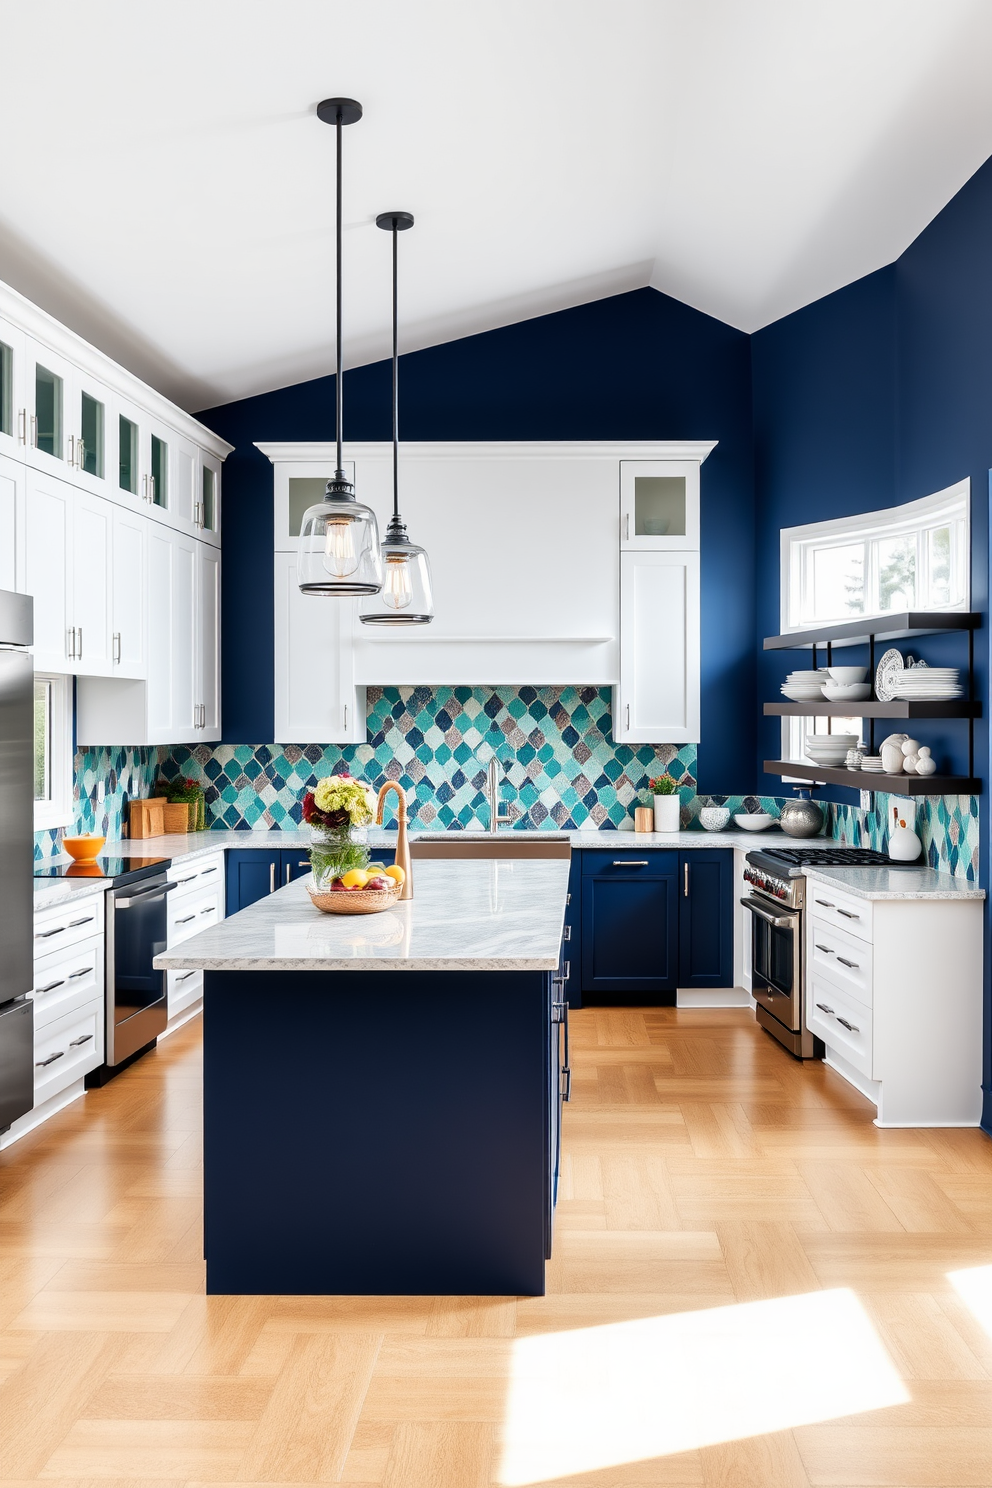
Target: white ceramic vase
x,y
904,845
892,758
666,813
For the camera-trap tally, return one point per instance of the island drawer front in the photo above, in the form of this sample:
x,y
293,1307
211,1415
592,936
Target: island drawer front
x,y
841,1021
194,913
622,863
66,980
846,911
185,988
67,1049
842,959
200,873
67,924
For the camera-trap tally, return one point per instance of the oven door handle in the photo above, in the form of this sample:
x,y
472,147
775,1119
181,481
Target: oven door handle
x,y
780,922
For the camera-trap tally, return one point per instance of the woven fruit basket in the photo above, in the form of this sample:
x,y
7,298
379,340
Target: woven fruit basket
x,y
354,901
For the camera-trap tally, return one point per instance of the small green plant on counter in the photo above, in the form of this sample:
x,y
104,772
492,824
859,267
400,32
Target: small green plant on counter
x,y
187,791
662,785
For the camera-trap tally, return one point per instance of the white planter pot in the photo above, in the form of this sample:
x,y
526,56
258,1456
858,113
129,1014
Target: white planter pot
x,y
666,813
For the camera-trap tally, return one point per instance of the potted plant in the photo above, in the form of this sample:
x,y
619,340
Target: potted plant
x,y
667,805
338,811
187,793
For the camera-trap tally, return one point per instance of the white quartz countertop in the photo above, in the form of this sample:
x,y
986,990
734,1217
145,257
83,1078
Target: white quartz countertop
x,y
896,883
183,846
48,892
466,915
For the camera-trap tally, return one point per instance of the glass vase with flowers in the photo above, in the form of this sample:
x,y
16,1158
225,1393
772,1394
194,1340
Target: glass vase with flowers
x,y
338,811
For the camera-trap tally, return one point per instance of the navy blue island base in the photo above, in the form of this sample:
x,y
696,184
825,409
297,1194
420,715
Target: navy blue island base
x,y
394,1132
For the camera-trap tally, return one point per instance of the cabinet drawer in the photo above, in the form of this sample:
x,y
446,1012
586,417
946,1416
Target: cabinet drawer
x,y
846,911
67,924
624,864
66,980
841,1021
194,913
199,874
842,959
66,1049
185,987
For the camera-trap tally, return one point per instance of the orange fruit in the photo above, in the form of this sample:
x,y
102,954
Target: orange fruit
x,y
396,873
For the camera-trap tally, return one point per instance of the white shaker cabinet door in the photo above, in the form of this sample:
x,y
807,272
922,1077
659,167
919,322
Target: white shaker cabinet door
x,y
207,681
129,627
657,700
47,570
171,599
91,583
316,700
12,482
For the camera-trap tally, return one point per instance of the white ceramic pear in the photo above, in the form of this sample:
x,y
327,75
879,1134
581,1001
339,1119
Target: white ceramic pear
x,y
892,758
909,763
925,764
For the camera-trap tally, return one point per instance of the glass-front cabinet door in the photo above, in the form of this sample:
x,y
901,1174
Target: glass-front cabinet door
x,y
13,400
128,455
158,472
659,505
296,485
49,405
90,451
206,512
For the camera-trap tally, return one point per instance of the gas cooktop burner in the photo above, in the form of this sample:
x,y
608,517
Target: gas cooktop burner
x,y
825,857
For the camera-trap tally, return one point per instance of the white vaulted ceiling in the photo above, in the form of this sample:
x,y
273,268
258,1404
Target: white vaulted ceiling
x,y
166,189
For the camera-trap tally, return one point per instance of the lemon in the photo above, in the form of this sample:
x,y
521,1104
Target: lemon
x,y
396,872
355,878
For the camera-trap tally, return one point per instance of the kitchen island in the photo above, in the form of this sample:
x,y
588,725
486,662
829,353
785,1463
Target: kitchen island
x,y
382,1093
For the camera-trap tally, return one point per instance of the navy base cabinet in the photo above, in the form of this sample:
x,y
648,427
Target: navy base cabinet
x,y
630,923
706,918
253,872
378,1132
654,921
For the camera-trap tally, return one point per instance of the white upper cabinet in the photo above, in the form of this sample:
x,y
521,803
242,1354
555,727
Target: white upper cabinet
x,y
299,483
50,402
659,506
48,571
91,584
657,699
13,397
316,699
13,478
130,545
206,705
206,508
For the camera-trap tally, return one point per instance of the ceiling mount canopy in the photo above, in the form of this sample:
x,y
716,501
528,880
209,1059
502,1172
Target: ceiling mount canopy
x,y
339,553
405,597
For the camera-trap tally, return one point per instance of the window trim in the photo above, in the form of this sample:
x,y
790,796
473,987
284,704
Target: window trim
x,y
58,810
912,515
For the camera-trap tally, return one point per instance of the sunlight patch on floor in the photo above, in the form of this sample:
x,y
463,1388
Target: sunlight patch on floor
x,y
974,1287
594,1398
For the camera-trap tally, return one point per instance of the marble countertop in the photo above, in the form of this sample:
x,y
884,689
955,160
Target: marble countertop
x,y
49,891
896,883
468,915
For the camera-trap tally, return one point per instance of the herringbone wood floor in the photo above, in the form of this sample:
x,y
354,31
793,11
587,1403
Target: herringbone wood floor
x,y
703,1169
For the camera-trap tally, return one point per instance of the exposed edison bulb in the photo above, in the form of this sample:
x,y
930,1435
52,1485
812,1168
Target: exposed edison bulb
x,y
396,590
340,558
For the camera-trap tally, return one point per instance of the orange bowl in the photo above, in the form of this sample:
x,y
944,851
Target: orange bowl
x,y
83,849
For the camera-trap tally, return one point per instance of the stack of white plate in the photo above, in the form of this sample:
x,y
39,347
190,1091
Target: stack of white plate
x,y
805,687
829,750
922,683
873,764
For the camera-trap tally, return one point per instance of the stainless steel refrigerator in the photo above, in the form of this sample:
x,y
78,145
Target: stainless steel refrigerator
x,y
16,856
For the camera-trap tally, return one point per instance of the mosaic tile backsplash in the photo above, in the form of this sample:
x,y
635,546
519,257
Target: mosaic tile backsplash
x,y
562,771
947,827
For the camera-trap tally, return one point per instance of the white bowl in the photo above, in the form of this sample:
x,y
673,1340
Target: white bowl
x,y
847,676
755,821
852,692
833,740
802,694
714,818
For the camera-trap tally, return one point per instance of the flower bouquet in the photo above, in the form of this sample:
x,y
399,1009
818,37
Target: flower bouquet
x,y
338,811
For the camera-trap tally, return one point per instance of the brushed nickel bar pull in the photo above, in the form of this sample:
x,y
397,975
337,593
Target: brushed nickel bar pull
x,y
630,863
685,881
272,878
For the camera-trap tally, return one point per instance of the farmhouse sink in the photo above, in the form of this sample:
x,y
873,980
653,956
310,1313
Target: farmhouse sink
x,y
485,845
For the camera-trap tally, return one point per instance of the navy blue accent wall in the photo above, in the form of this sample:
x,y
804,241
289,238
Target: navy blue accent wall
x,y
634,366
876,395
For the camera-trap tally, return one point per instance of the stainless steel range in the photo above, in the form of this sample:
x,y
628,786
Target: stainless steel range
x,y
777,901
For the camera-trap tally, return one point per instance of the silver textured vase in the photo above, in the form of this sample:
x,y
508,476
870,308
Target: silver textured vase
x,y
802,817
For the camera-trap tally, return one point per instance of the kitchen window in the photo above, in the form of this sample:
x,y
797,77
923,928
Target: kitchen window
x,y
912,557
52,751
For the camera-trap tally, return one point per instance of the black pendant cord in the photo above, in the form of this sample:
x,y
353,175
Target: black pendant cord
x,y
339,377
396,382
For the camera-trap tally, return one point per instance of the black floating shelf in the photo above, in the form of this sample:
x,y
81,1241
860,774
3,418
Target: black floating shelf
x,y
900,785
899,709
901,627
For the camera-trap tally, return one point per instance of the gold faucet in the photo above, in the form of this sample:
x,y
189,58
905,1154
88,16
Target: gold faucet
x,y
402,846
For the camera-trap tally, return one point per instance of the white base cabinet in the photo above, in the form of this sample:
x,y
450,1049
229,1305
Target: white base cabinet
x,y
196,903
894,990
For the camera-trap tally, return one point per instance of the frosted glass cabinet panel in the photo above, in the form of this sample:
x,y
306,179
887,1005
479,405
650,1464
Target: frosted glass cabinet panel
x,y
657,699
90,453
47,425
659,505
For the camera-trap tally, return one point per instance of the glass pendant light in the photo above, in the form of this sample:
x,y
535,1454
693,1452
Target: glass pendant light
x,y
405,597
339,550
